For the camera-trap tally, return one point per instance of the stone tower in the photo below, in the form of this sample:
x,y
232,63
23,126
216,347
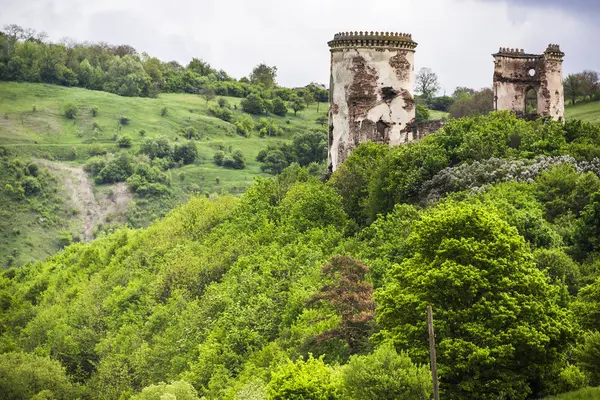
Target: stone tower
x,y
530,85
371,91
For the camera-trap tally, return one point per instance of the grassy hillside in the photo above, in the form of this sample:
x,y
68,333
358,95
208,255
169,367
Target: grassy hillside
x,y
33,126
589,112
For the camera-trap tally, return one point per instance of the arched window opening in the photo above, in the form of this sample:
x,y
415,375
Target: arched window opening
x,y
531,102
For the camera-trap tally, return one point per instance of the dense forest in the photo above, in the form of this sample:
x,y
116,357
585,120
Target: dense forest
x,y
305,289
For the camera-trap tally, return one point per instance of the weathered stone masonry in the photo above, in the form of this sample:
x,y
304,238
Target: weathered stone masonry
x,y
517,74
371,91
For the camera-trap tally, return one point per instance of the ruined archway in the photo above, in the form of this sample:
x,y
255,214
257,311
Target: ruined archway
x,y
531,102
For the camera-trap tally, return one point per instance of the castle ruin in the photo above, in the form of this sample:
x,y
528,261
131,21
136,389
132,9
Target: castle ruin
x,y
371,91
529,85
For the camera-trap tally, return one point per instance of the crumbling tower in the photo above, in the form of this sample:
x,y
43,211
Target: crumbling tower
x,y
371,91
530,85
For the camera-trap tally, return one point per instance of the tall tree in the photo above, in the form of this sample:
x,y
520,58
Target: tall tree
x,y
573,87
590,83
264,75
427,84
351,296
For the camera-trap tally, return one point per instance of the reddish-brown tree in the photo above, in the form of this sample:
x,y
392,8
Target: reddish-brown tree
x,y
351,296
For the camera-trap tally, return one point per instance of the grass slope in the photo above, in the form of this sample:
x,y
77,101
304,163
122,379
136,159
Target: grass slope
x,y
589,112
32,125
583,394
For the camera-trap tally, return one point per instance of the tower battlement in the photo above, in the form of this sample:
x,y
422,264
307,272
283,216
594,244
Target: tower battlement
x,y
371,91
350,40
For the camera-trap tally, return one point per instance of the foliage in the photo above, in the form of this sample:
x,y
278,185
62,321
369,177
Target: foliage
x,y
178,390
264,76
26,376
422,113
472,102
426,83
279,107
462,256
307,380
351,297
185,152
385,374
124,142
70,110
244,125
297,104
253,104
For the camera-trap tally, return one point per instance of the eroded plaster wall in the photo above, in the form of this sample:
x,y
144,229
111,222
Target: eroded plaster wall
x,y
371,99
516,73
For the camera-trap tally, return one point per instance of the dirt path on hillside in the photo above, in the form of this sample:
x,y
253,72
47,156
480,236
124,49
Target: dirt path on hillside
x,y
79,188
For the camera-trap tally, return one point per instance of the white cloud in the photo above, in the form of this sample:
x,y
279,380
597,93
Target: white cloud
x,y
456,37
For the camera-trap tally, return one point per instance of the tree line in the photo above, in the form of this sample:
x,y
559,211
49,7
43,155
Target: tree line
x,y
27,55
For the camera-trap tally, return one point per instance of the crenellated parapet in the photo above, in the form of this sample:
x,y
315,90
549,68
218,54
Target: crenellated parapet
x,y
553,52
383,40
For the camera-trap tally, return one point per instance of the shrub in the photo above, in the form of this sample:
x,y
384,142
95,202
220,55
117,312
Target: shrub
x,y
117,169
123,120
186,152
253,104
191,133
34,109
222,113
308,380
31,185
164,111
94,165
279,107
239,161
70,110
219,157
385,374
124,142
244,125
159,147
223,103
94,111
179,390
142,132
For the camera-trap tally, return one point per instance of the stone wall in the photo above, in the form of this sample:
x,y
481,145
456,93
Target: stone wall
x,y
516,73
371,92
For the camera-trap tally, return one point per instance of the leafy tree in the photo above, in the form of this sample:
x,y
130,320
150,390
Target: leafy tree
x,y
117,169
208,95
573,86
385,374
279,107
239,161
244,125
186,152
351,297
442,103
26,376
479,103
588,356
312,205
178,390
159,147
462,256
274,161
422,113
590,84
218,158
200,67
264,76
124,142
297,104
310,147
303,380
426,83
253,104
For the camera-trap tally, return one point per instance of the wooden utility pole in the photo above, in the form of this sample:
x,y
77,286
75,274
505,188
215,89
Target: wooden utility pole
x,y
436,388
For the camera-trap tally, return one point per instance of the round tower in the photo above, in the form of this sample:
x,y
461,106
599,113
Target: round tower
x,y
371,91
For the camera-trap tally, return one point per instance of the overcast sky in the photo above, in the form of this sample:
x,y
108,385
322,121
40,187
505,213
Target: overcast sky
x,y
456,37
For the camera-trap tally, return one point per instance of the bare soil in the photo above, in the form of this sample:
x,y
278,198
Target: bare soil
x,y
92,209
